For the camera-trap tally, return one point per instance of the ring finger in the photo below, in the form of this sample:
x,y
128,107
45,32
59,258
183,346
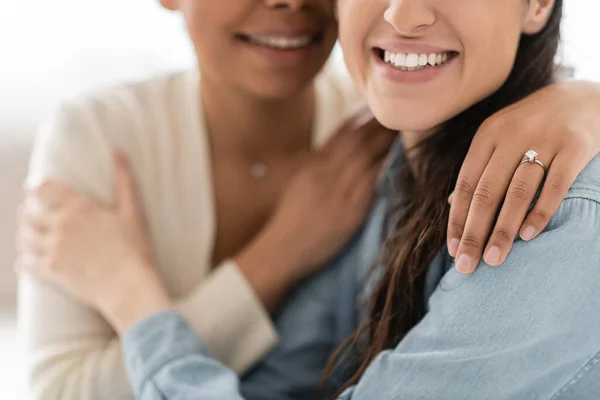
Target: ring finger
x,y
487,197
520,195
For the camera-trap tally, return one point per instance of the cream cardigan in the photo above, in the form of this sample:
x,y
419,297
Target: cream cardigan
x,y
71,352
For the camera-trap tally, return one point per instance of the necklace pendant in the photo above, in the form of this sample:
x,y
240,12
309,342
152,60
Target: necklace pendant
x,y
259,170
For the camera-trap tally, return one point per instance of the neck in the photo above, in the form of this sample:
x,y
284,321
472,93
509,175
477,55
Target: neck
x,y
254,128
411,142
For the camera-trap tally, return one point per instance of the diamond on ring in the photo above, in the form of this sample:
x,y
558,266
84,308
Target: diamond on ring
x,y
531,156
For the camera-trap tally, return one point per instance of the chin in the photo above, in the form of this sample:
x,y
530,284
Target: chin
x,y
406,119
281,89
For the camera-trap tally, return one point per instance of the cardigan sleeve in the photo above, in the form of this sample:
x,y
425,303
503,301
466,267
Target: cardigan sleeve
x,y
71,351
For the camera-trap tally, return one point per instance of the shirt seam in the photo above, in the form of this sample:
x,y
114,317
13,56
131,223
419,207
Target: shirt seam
x,y
593,362
580,197
584,189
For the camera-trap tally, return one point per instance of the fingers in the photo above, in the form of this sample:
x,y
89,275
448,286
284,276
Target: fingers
x,y
373,151
352,143
470,173
36,218
519,197
561,175
361,118
53,194
486,198
31,242
33,234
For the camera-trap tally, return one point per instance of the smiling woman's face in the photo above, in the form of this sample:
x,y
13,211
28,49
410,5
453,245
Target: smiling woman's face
x,y
258,47
421,62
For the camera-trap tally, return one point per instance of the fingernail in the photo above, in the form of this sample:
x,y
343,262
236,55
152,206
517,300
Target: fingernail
x,y
527,233
453,246
492,256
464,264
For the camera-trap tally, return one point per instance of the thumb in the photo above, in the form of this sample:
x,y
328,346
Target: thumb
x,y
126,194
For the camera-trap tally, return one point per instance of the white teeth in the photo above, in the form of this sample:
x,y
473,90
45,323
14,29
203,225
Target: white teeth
x,y
282,43
414,61
431,59
400,60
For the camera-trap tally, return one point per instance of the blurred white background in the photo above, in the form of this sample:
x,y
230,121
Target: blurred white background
x,y
49,49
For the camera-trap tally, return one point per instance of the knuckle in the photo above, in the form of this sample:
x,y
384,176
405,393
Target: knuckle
x,y
489,124
464,188
540,215
483,197
494,124
520,190
578,138
558,184
502,235
455,227
471,241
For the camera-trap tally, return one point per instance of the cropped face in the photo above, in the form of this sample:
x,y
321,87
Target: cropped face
x,y
268,48
421,62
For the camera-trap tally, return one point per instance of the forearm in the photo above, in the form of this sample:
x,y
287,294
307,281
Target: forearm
x,y
268,270
223,310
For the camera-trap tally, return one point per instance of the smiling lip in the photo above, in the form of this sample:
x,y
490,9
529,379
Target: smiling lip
x,y
282,47
402,47
284,32
398,76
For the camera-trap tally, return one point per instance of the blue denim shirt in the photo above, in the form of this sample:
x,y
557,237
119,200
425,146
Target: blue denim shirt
x,y
526,330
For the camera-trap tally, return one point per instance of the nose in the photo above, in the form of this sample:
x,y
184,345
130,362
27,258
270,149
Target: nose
x,y
293,5
409,17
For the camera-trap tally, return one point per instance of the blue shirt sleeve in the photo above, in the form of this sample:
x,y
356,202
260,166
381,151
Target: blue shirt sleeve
x,y
525,330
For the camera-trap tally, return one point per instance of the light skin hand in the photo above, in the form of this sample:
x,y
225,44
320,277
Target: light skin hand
x,y
562,124
97,254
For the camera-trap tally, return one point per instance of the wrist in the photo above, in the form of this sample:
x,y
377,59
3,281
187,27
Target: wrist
x,y
269,270
139,296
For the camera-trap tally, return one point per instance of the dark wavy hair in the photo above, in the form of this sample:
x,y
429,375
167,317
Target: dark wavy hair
x,y
421,217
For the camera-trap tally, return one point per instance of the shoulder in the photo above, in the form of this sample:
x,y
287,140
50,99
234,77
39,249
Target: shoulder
x,y
547,288
125,104
75,144
587,184
533,319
